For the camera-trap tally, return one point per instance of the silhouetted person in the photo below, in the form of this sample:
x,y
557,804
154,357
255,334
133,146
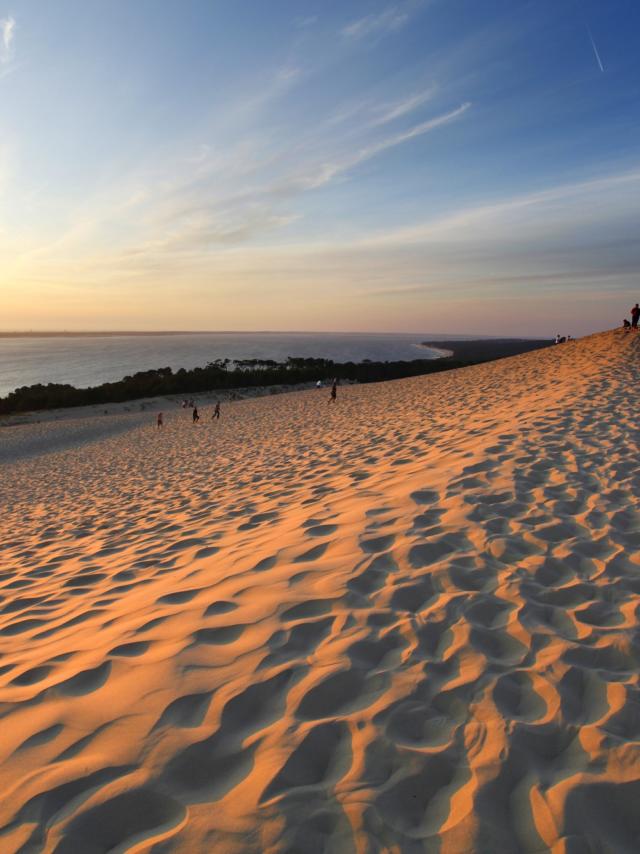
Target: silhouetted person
x,y
196,417
216,411
626,325
334,392
635,316
159,420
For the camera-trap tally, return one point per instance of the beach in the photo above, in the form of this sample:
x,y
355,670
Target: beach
x,y
406,621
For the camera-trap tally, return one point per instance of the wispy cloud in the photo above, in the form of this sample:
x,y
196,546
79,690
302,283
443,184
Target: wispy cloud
x,y
7,35
389,20
595,49
303,23
553,213
319,174
185,217
389,112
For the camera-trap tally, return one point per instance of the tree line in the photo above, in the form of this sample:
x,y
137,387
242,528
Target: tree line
x,y
222,374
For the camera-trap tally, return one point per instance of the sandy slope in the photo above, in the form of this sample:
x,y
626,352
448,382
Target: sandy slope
x,y
404,623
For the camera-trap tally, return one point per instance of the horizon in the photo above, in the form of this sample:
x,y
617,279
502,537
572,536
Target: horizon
x,y
44,333
373,167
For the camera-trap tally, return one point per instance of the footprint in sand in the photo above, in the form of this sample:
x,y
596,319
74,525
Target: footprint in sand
x,y
321,530
373,577
373,654
298,642
122,820
222,635
32,676
43,737
185,712
321,759
414,597
209,769
489,612
311,608
20,626
583,696
220,607
412,805
373,545
130,650
514,694
427,553
53,805
84,682
341,693
425,496
179,598
415,724
265,563
314,553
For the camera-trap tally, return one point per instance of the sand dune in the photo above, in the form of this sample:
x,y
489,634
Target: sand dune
x,y
407,622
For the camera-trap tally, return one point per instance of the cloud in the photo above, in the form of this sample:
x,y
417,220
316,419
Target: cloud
x,y
389,112
304,22
325,172
186,216
389,20
7,34
577,209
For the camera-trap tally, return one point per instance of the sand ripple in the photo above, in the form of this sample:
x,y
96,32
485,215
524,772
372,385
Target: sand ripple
x,y
408,622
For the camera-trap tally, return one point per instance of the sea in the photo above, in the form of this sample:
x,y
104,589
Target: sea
x,y
92,359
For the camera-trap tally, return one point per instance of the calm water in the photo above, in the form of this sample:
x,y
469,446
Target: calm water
x,y
93,360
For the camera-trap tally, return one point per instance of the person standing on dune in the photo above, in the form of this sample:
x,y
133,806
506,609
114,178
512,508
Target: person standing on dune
x,y
334,392
196,417
216,411
159,421
635,316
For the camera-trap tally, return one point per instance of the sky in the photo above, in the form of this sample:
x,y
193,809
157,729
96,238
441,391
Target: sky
x,y
452,166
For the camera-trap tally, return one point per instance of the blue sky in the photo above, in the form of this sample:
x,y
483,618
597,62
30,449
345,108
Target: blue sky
x,y
420,165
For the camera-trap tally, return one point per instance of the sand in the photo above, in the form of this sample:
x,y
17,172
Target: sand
x,y
405,622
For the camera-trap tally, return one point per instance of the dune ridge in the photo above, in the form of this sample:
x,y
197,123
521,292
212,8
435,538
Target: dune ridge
x,y
405,622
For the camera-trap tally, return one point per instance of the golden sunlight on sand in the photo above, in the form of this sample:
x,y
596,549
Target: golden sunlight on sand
x,y
404,622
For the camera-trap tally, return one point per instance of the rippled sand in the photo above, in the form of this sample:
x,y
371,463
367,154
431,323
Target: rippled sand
x,y
407,622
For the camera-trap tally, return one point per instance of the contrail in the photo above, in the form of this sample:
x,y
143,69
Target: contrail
x,y
595,49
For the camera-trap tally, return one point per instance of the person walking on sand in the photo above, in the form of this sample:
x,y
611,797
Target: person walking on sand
x,y
334,392
196,417
635,316
159,421
216,411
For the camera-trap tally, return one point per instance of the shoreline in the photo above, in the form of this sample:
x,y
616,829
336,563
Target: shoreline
x,y
50,397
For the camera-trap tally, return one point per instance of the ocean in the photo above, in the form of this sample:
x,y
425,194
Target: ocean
x,y
94,359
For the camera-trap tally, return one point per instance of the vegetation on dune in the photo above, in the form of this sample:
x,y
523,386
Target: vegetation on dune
x,y
221,374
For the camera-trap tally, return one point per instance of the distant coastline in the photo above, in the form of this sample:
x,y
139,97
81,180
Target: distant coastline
x,y
484,350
